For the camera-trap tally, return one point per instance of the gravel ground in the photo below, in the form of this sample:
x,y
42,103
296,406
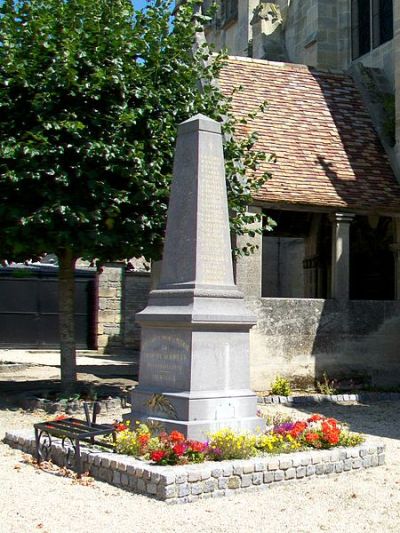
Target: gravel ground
x,y
34,500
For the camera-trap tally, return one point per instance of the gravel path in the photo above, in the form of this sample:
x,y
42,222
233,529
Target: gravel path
x,y
32,500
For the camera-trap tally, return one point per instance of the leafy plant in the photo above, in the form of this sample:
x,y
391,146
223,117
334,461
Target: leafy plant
x,y
326,386
281,387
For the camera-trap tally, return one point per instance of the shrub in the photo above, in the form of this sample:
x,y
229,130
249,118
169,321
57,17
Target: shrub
x,y
281,387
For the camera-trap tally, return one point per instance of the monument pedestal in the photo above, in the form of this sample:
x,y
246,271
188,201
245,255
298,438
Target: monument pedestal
x,y
194,367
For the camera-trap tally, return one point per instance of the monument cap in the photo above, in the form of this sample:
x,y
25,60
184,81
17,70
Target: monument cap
x,y
199,123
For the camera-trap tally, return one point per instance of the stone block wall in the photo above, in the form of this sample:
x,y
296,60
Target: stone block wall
x,y
109,317
121,295
137,286
302,338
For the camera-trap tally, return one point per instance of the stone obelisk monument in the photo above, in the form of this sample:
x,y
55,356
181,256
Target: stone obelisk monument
x,y
195,341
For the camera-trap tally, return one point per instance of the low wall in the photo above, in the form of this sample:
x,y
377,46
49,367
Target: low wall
x,y
183,484
302,338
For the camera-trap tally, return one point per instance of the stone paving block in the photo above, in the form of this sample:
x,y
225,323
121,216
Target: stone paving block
x,y
248,468
117,477
279,475
310,470
268,477
273,464
227,469
209,485
285,463
257,478
329,468
194,476
339,467
246,480
234,482
347,465
290,473
196,488
183,490
301,471
222,482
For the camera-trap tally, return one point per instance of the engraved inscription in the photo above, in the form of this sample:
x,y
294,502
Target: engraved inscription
x,y
166,360
214,247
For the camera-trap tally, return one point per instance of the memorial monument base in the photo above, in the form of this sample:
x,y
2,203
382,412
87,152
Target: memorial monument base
x,y
207,411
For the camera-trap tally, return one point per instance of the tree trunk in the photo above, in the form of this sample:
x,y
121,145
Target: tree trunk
x,y
66,308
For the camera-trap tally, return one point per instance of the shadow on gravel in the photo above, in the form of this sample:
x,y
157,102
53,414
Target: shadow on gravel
x,y
381,418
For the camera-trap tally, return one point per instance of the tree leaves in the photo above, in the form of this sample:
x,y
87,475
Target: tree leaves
x,y
90,97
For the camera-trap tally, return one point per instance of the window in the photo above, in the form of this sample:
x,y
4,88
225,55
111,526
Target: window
x,y
371,24
229,10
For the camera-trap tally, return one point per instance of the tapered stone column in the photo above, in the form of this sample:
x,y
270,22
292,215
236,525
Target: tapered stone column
x,y
194,362
340,281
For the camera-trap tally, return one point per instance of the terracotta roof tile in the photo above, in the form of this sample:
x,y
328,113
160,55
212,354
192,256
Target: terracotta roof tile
x,y
328,153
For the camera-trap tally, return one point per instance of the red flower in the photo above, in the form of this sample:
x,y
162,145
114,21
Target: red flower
x,y
179,449
157,456
315,418
312,437
60,417
175,436
143,439
297,429
197,446
121,426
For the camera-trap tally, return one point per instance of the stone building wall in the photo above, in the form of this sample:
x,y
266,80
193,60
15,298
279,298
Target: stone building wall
x,y
302,338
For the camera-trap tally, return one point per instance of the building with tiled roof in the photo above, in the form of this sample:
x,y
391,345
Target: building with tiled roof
x,y
325,283
310,126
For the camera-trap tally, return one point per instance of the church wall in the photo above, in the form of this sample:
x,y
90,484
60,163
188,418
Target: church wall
x,y
301,339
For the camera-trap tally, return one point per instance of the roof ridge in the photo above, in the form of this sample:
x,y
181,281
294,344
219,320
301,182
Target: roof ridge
x,y
292,66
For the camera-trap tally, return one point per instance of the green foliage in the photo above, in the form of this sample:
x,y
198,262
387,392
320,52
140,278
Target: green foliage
x,y
326,386
281,387
348,438
91,94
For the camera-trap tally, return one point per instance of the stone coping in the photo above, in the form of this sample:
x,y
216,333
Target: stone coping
x,y
335,398
32,403
184,484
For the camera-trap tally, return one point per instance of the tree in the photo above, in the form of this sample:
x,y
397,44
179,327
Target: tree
x,y
91,94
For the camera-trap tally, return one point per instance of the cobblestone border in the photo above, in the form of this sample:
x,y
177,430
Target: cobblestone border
x,y
184,484
336,398
32,403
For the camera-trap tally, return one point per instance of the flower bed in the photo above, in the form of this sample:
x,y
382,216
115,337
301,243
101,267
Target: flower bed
x,y
187,483
317,431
